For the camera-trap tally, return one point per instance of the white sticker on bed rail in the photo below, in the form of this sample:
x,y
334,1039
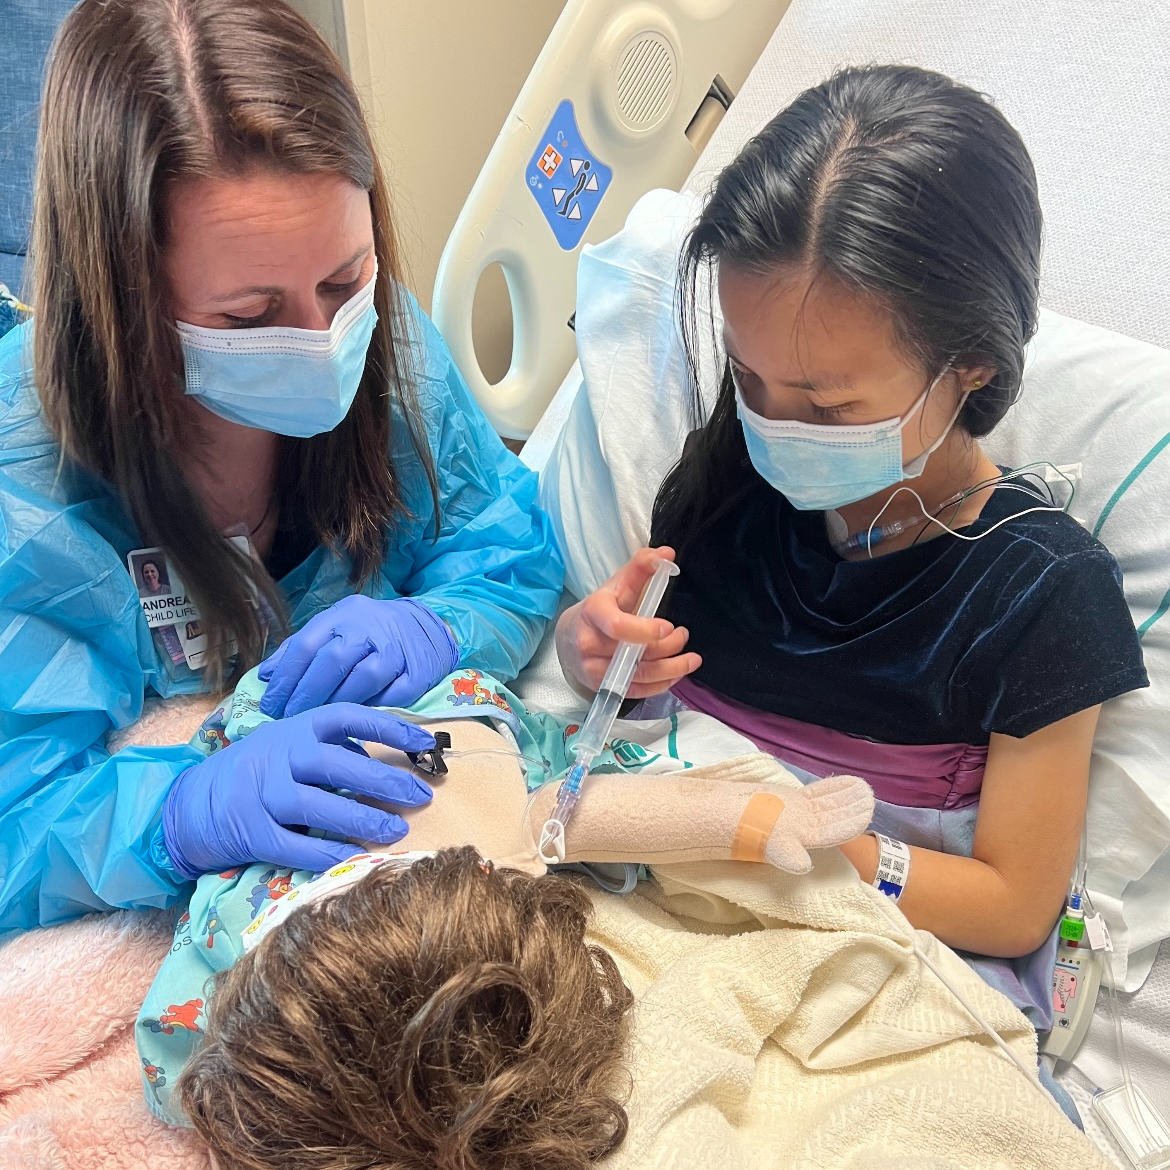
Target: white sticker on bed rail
x,y
567,180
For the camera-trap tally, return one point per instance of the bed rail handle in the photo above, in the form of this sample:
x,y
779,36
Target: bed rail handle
x,y
602,119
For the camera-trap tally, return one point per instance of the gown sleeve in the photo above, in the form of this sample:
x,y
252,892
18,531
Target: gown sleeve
x,y
78,827
491,567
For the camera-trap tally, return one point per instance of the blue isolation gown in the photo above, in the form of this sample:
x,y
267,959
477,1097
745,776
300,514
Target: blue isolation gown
x,y
79,828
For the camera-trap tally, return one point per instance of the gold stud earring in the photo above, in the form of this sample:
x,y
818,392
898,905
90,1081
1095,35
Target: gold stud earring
x,y
977,383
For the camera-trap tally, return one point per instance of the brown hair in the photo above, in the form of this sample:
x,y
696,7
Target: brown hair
x,y
449,1016
140,93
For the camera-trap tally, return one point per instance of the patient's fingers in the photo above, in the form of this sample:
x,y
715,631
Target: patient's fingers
x,y
593,643
669,647
629,581
662,665
652,678
602,612
588,633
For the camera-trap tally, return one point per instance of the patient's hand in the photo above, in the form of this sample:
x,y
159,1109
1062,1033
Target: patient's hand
x,y
589,633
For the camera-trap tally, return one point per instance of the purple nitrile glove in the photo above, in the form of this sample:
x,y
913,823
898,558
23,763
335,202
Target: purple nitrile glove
x,y
383,653
233,808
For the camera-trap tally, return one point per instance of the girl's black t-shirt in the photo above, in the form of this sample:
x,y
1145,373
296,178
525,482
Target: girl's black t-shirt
x,y
943,642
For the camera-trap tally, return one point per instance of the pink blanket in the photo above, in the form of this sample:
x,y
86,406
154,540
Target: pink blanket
x,y
70,1077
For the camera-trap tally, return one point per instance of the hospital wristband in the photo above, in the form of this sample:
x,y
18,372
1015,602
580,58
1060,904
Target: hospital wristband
x,y
893,867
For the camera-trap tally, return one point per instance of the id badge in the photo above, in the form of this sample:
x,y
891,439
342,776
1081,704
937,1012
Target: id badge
x,y
169,611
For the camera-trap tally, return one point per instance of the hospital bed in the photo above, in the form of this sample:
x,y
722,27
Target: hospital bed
x,y
1087,86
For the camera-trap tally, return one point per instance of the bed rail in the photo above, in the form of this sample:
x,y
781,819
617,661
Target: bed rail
x,y
621,100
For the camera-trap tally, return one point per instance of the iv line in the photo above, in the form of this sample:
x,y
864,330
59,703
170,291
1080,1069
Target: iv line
x,y
972,1011
458,753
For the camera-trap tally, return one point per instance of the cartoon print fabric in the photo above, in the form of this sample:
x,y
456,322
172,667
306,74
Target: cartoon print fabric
x,y
207,939
546,741
329,881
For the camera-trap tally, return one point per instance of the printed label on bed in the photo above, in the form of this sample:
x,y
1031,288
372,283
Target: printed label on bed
x,y
165,601
567,180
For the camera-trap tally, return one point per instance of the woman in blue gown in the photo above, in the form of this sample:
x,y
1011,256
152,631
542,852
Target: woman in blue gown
x,y
224,376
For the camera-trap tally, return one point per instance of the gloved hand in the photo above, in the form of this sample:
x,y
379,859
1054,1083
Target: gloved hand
x,y
384,653
232,808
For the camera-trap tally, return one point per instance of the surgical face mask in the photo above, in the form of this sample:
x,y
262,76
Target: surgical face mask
x,y
819,467
296,382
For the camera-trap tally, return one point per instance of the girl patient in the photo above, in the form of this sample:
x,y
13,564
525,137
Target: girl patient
x,y
441,1014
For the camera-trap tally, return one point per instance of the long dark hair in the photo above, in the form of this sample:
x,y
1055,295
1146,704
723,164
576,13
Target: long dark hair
x,y
901,185
140,93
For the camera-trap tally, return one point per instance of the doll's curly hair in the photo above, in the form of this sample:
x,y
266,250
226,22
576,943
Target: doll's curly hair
x,y
448,1016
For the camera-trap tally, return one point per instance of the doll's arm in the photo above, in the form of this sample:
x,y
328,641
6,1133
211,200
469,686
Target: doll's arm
x,y
689,817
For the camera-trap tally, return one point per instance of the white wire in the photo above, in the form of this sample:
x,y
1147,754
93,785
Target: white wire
x,y
1016,487
1026,470
1000,481
972,1011
958,535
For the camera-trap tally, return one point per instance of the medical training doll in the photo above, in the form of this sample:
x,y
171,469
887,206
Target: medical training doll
x,y
220,348
862,589
444,1009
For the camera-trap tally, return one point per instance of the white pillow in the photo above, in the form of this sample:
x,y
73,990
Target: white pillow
x,y
1090,396
629,420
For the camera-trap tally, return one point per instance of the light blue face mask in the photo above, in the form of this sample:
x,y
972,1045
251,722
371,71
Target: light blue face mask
x,y
820,467
296,382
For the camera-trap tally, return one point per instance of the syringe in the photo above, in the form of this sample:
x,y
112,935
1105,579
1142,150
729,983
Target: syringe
x,y
606,704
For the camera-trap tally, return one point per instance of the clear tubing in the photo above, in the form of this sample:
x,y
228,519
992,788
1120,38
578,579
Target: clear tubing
x,y
1135,1110
460,753
869,539
1105,958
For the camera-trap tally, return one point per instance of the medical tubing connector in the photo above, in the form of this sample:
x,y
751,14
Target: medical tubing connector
x,y
871,538
603,711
